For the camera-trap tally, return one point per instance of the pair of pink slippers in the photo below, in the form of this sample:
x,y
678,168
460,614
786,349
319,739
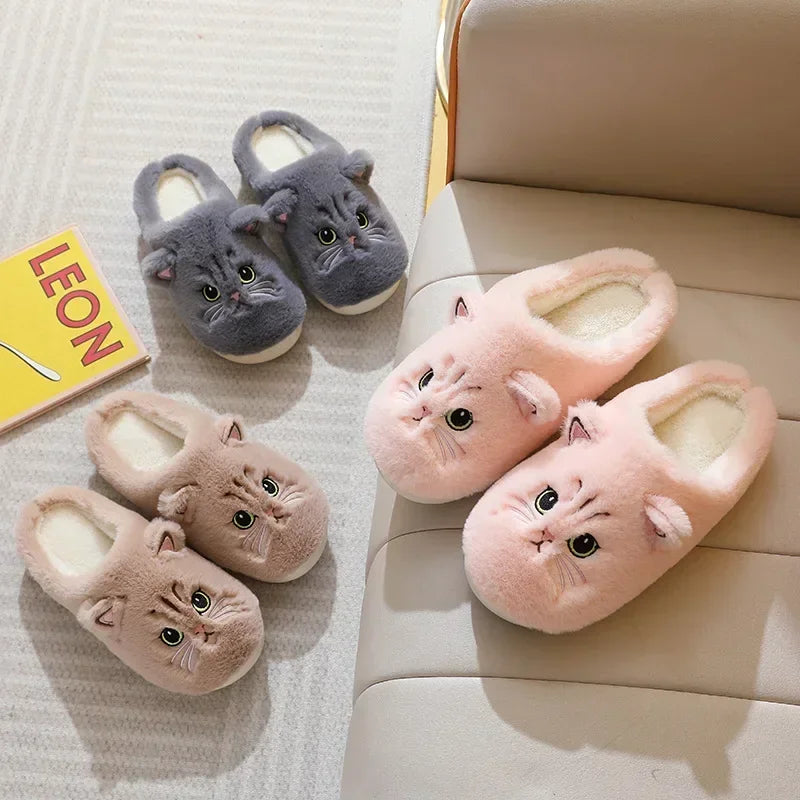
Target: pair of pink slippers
x,y
173,615
583,526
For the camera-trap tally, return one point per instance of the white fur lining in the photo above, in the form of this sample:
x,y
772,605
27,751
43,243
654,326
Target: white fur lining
x,y
593,309
73,543
177,192
143,443
276,146
701,425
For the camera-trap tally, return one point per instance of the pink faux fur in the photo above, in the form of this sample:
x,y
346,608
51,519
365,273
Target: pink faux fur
x,y
214,476
147,582
512,370
610,481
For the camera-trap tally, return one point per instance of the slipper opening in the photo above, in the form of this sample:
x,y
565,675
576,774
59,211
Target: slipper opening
x,y
177,192
592,309
73,542
276,146
145,443
700,426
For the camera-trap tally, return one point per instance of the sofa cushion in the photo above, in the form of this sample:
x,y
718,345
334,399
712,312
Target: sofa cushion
x,y
500,739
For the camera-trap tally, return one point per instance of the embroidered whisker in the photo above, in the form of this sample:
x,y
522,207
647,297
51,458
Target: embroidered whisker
x,y
180,650
441,446
520,513
560,573
565,563
446,440
453,440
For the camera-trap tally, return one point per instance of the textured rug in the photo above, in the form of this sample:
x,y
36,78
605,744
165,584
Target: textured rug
x,y
90,90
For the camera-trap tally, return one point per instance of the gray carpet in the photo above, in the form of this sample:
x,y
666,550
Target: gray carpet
x,y
89,91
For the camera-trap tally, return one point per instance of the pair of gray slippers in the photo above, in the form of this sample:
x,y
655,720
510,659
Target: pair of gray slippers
x,y
228,287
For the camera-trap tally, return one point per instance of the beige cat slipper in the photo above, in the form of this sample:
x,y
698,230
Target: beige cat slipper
x,y
243,505
173,617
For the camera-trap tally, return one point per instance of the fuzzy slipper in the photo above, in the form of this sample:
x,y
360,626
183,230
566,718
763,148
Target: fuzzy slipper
x,y
242,505
344,243
172,616
486,391
585,525
227,286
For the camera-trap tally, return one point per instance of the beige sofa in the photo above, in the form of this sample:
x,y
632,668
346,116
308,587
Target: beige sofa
x,y
673,128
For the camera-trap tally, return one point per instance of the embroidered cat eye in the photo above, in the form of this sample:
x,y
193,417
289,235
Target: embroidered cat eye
x,y
247,274
171,637
425,379
583,546
459,419
211,293
270,487
545,500
201,602
362,219
243,520
327,236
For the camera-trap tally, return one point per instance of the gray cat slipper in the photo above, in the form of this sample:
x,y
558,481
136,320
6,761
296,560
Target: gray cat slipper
x,y
173,617
342,240
227,287
242,504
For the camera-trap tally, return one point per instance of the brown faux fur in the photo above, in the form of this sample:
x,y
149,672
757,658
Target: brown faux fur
x,y
215,480
148,582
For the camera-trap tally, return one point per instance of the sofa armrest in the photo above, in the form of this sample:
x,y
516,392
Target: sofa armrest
x,y
686,100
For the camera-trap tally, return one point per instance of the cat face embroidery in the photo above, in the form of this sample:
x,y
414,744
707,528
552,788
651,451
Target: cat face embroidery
x,y
180,620
276,514
444,418
564,539
345,245
227,292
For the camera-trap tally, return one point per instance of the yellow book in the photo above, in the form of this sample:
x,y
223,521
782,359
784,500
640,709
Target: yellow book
x,y
62,330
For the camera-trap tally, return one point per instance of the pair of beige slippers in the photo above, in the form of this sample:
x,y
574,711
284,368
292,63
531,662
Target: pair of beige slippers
x,y
173,615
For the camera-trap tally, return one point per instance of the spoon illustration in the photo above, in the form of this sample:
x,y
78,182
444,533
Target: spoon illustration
x,y
45,372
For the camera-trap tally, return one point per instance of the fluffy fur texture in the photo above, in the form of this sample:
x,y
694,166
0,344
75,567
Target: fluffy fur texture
x,y
583,526
148,582
243,505
227,286
483,393
339,235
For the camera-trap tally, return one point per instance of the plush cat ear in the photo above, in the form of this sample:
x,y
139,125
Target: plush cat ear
x,y
178,504
461,310
464,307
535,398
671,524
247,219
103,617
159,265
358,166
230,429
278,207
576,431
164,536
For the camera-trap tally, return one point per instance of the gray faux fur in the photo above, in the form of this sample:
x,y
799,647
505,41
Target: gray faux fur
x,y
212,245
323,192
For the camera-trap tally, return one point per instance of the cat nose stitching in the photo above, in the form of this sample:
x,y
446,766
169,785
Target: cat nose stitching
x,y
235,296
426,412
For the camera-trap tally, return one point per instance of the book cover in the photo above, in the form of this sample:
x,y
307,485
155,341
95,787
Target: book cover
x,y
62,330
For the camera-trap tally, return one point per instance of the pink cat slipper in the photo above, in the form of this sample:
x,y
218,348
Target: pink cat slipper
x,y
583,526
243,505
486,391
178,620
